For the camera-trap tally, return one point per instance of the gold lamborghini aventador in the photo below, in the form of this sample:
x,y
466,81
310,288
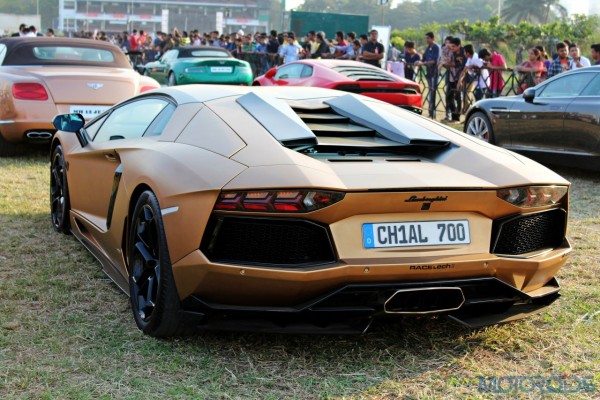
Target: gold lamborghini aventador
x,y
304,209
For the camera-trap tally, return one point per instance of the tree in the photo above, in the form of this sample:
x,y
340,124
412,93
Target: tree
x,y
539,11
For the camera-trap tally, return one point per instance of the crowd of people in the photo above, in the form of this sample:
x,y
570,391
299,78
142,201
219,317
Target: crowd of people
x,y
460,68
277,48
482,71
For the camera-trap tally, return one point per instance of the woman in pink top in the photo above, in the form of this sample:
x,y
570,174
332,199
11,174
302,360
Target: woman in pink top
x,y
496,65
494,62
531,70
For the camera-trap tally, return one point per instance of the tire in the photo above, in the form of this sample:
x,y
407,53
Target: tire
x,y
479,125
153,295
171,80
59,192
8,149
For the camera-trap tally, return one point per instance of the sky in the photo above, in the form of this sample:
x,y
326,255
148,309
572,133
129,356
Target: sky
x,y
574,6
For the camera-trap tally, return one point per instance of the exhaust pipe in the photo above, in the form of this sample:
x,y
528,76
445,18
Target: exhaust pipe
x,y
39,135
427,300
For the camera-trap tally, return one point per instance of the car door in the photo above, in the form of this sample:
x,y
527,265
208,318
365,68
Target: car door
x,y
582,121
96,167
161,67
294,74
539,125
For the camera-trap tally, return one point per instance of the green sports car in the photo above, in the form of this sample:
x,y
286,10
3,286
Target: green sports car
x,y
199,65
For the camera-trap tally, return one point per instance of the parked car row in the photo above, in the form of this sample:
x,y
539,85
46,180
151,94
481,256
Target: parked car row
x,y
285,208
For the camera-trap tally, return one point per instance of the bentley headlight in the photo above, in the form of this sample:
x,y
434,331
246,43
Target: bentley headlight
x,y
533,196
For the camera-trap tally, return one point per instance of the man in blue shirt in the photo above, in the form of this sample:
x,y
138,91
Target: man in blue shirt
x,y
411,57
291,50
561,63
431,58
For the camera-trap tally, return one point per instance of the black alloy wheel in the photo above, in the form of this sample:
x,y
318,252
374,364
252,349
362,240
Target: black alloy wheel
x,y
153,294
59,192
145,269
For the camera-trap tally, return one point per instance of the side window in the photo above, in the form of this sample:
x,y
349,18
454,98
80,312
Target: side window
x,y
157,126
307,72
593,89
131,120
2,52
291,71
172,55
567,86
92,129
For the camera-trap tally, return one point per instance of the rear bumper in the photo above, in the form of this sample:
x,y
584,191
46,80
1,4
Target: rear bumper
x,y
352,308
285,287
16,131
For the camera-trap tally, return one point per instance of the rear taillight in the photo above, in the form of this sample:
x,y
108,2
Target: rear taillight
x,y
282,201
147,88
29,91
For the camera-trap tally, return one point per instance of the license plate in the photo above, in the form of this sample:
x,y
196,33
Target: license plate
x,y
418,233
88,112
221,69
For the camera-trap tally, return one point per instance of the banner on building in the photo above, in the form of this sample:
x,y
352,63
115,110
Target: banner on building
x,y
164,21
219,21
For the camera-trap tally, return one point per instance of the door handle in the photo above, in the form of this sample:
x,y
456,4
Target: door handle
x,y
110,157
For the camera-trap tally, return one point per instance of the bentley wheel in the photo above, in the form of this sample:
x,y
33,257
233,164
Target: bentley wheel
x,y
154,298
59,192
480,126
172,81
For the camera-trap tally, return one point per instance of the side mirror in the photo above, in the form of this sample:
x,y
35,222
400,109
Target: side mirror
x,y
271,73
529,95
71,123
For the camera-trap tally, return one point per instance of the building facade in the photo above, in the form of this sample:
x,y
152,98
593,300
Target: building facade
x,y
156,15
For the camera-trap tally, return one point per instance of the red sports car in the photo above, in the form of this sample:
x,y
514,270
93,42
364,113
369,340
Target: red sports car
x,y
349,76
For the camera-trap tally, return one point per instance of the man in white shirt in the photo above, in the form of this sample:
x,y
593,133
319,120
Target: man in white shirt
x,y
475,67
578,61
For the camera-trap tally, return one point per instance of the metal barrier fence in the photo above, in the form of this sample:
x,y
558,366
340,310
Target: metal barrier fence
x,y
259,62
469,87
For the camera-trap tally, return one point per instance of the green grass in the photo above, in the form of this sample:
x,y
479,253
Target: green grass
x,y
66,331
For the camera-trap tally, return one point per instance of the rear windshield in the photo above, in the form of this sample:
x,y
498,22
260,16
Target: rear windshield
x,y
73,54
204,53
360,73
209,53
65,54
